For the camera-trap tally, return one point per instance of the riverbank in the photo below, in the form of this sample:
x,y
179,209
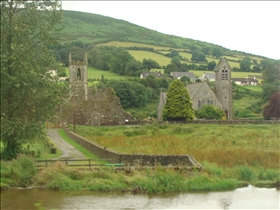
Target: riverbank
x,y
22,173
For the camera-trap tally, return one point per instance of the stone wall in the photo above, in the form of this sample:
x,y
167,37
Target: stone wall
x,y
133,159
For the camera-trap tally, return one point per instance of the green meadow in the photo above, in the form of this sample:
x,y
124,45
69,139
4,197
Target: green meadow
x,y
140,55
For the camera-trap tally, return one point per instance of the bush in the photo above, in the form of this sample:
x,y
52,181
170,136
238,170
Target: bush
x,y
210,112
20,170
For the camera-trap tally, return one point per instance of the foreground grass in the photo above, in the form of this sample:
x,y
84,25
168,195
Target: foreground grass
x,y
22,173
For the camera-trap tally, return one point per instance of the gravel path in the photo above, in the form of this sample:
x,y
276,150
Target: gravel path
x,y
68,151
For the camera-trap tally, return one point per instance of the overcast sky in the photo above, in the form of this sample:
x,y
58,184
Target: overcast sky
x,y
250,26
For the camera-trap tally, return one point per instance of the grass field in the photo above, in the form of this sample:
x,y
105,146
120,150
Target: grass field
x,y
133,44
140,55
224,145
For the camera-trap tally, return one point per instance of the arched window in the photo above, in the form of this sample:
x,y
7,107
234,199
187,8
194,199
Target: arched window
x,y
208,102
198,104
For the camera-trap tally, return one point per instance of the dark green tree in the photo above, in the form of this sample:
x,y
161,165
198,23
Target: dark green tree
x,y
211,65
171,68
120,61
185,79
76,52
150,64
206,50
131,94
271,80
198,56
178,103
245,64
217,52
174,53
210,112
29,95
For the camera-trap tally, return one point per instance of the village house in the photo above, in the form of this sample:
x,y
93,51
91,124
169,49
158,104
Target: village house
x,y
245,81
144,75
209,76
179,75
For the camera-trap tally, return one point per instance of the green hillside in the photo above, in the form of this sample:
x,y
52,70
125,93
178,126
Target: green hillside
x,y
96,29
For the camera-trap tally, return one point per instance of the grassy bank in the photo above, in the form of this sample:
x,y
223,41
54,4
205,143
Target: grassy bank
x,y
231,156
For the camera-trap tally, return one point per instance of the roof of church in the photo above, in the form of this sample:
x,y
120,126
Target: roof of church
x,y
193,88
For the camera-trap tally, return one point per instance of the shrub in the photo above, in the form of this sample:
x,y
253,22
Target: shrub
x,y
210,112
20,170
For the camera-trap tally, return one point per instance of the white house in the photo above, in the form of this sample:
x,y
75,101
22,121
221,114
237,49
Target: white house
x,y
245,81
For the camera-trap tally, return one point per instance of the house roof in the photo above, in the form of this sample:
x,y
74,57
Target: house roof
x,y
209,75
244,79
181,74
146,74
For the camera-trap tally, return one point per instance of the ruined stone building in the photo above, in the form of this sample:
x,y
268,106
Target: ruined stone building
x,y
201,94
88,106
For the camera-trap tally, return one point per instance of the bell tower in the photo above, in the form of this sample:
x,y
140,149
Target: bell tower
x,y
78,77
223,87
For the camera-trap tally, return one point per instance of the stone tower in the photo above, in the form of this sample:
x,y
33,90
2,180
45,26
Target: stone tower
x,y
223,87
78,77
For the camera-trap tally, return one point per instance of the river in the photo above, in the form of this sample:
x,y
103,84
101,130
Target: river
x,y
242,198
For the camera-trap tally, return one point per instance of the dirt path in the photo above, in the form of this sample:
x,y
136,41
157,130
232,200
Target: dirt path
x,y
68,151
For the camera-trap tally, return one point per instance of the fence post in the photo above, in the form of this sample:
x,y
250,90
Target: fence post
x,y
89,163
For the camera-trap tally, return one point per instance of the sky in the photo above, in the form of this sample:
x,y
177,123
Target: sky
x,y
247,26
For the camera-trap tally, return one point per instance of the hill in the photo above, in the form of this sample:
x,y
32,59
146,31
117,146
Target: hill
x,y
96,29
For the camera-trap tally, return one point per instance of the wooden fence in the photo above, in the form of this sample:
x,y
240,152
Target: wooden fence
x,y
77,162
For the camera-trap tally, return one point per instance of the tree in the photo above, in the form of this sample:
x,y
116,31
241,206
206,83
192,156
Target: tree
x,y
178,103
210,112
271,80
271,72
131,94
185,79
120,61
211,65
174,53
29,96
217,52
149,64
272,109
206,50
245,64
198,56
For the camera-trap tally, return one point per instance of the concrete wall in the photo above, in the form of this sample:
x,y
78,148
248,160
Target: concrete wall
x,y
133,159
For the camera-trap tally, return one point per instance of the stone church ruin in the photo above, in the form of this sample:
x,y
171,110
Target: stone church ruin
x,y
88,106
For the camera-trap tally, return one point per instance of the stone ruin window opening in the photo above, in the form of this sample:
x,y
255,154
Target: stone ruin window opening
x,y
79,74
198,104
